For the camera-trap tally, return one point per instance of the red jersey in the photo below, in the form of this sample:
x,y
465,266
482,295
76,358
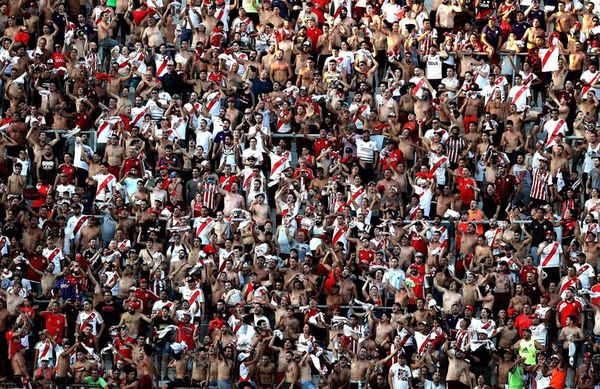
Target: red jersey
x,y
596,289
38,262
392,160
148,298
226,182
123,350
319,8
185,334
130,163
313,34
366,256
526,270
566,309
418,243
522,322
59,61
69,171
14,343
320,145
418,289
466,194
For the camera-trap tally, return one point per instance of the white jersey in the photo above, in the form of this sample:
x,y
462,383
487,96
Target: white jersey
x,y
518,96
55,256
93,318
590,154
365,151
279,163
106,185
203,227
73,228
78,159
550,255
438,167
553,128
425,197
585,273
539,333
195,296
433,67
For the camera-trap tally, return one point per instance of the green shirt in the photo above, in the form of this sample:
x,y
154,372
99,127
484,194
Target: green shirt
x,y
99,383
515,378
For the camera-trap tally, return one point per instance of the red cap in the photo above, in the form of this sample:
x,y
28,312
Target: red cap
x,y
143,280
550,232
469,306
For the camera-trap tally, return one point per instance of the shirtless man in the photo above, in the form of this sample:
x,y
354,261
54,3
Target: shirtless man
x,y
16,182
48,279
180,363
339,376
114,155
261,212
265,373
291,372
571,334
16,352
457,367
280,70
508,334
384,331
13,298
470,290
132,320
200,368
152,35
519,299
450,296
225,365
512,140
63,363
359,367
482,250
233,200
563,20
149,370
469,240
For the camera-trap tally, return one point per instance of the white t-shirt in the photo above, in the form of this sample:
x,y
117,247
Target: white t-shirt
x,y
366,150
400,376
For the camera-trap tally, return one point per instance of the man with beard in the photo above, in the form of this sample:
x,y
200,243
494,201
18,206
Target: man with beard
x,y
133,319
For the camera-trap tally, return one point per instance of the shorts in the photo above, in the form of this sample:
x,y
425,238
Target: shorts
x,y
356,385
456,385
307,385
224,384
176,383
145,382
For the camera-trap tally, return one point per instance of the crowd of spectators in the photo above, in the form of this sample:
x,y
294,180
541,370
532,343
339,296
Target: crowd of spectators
x,y
299,193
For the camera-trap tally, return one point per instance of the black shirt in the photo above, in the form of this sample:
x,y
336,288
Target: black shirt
x,y
538,230
173,83
111,313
